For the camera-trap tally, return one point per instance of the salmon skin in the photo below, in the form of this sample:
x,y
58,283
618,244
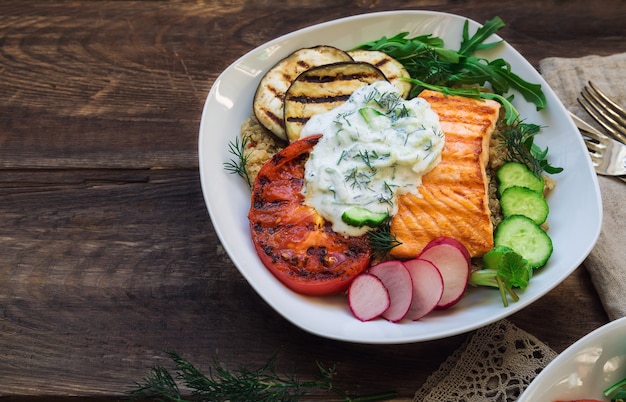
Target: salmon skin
x,y
453,198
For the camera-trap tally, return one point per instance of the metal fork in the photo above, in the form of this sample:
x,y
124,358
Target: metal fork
x,y
607,155
595,141
604,110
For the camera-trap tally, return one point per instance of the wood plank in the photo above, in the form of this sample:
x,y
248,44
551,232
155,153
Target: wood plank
x,y
92,295
108,256
123,83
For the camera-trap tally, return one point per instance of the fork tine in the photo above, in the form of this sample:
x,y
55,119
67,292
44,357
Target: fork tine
x,y
604,110
616,128
596,136
608,108
608,101
594,146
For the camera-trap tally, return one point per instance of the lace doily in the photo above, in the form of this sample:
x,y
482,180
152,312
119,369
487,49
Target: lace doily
x,y
496,363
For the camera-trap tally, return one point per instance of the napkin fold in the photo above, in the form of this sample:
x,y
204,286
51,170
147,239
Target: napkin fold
x,y
496,363
607,261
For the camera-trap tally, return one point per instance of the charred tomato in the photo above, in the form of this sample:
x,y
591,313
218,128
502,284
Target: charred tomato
x,y
294,242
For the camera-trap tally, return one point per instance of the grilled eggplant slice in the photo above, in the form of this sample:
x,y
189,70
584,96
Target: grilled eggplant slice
x,y
268,104
392,68
323,88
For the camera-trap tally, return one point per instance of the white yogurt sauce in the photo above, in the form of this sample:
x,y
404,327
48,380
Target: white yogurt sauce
x,y
374,146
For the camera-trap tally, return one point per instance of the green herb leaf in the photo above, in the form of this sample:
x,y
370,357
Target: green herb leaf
x,y
518,141
504,269
263,384
238,165
381,240
471,44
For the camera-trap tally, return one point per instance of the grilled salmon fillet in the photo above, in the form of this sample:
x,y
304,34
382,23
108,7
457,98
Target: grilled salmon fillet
x,y
453,199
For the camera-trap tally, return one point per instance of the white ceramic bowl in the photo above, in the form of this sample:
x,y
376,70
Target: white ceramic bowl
x,y
585,369
575,215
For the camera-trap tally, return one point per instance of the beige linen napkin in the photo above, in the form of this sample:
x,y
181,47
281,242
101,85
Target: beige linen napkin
x,y
607,262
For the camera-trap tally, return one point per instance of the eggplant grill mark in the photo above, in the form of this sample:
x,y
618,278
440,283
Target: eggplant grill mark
x,y
313,78
274,118
382,63
320,99
303,65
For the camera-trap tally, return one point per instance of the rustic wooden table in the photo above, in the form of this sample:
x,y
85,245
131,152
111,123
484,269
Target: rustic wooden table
x,y
108,257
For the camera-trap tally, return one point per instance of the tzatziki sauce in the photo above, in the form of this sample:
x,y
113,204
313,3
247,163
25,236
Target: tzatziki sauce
x,y
374,147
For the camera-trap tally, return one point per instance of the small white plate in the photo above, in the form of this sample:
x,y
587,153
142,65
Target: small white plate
x,y
575,216
585,369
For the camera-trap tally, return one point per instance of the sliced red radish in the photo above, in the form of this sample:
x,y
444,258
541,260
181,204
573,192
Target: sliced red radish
x,y
453,261
397,280
368,297
427,288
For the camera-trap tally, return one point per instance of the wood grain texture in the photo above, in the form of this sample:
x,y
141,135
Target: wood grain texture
x,y
108,256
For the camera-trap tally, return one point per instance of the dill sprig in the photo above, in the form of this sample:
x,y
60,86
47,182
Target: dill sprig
x,y
382,240
221,384
238,164
518,142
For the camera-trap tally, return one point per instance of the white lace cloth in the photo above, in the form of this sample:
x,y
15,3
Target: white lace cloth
x,y
495,364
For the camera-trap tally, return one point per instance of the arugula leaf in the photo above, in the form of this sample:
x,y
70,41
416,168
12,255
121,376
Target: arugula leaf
x,y
511,115
402,49
474,43
425,57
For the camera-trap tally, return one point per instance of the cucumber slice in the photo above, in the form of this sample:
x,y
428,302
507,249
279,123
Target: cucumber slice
x,y
371,115
517,174
359,216
526,238
517,200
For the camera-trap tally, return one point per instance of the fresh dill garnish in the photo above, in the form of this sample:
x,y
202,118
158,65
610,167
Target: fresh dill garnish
x,y
343,116
401,113
387,195
518,143
365,156
358,179
343,155
371,96
382,240
388,101
222,384
238,164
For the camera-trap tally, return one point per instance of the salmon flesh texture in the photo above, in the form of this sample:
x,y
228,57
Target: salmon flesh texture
x,y
453,198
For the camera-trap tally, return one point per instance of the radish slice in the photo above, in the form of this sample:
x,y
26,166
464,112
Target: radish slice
x,y
397,280
367,296
453,261
427,288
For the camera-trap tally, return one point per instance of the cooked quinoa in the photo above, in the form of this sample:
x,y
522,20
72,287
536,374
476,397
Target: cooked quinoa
x,y
261,145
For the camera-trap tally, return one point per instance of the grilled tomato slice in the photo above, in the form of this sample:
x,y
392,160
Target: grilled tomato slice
x,y
292,240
